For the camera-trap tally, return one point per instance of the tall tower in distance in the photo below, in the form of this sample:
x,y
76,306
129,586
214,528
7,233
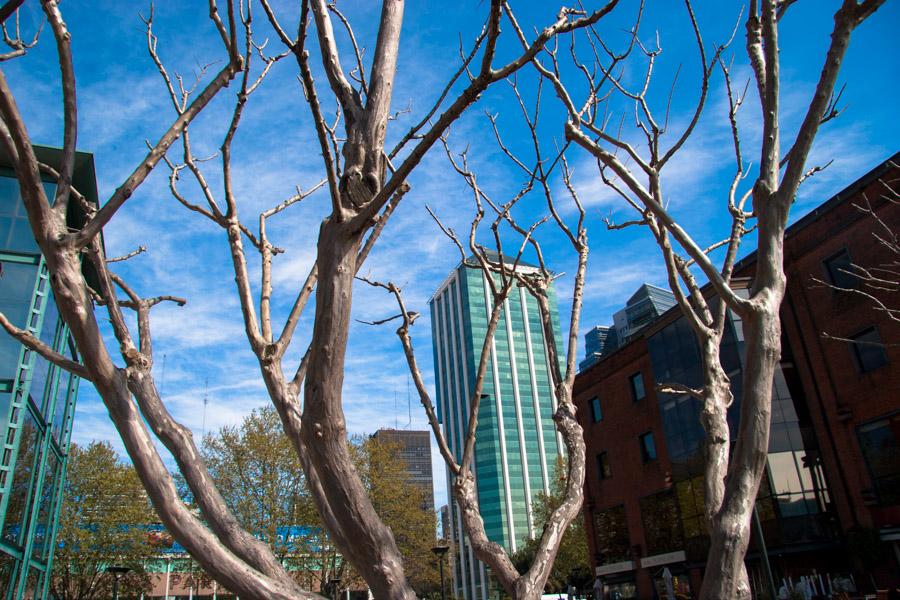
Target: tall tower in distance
x,y
517,444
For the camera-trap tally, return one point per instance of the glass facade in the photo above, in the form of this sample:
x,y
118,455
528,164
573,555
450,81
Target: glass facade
x,y
793,499
516,440
37,403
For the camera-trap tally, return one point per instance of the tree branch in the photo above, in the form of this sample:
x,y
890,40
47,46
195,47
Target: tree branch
x,y
124,192
27,339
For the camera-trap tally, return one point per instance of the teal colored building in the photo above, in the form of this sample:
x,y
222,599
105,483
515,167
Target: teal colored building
x,y
516,444
37,399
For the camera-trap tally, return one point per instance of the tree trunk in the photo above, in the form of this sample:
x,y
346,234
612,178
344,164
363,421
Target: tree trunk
x,y
726,575
717,398
364,540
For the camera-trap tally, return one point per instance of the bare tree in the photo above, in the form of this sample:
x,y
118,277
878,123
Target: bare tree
x,y
364,186
732,470
503,274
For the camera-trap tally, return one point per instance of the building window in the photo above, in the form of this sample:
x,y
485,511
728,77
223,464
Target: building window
x,y
880,444
868,352
637,387
611,535
603,466
840,272
596,412
648,447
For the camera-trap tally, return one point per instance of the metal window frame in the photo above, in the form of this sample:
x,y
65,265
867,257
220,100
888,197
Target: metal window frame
x,y
20,406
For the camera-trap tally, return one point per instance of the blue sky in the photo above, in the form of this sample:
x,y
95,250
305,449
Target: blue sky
x,y
201,349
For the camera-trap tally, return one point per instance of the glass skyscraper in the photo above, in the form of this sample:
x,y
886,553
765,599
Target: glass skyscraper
x,y
517,444
37,399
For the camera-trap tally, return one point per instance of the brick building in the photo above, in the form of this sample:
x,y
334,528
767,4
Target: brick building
x,y
830,500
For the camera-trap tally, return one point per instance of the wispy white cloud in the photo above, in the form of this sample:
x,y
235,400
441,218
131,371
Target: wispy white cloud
x,y
275,150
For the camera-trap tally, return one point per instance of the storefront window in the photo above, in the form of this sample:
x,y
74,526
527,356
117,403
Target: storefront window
x,y
691,504
671,586
625,590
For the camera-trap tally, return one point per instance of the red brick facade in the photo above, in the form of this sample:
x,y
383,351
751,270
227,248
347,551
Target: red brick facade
x,y
617,433
838,397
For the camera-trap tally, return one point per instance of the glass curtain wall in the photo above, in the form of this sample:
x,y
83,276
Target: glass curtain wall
x,y
37,402
793,498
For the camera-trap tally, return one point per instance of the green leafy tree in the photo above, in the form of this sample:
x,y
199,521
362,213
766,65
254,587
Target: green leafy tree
x,y
400,505
104,521
572,564
257,471
255,468
258,474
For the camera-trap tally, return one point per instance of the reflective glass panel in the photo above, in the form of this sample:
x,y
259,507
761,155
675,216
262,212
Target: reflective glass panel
x,y
16,511
880,444
16,288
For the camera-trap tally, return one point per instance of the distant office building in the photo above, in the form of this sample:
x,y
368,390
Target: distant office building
x,y
829,502
445,522
645,305
37,399
414,448
598,342
517,444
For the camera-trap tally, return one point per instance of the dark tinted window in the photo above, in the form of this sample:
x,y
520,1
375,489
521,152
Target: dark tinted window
x,y
596,412
880,444
637,387
603,466
840,273
868,350
662,525
611,535
648,447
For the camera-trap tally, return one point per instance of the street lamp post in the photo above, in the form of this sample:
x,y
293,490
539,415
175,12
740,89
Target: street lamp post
x,y
117,573
335,587
440,552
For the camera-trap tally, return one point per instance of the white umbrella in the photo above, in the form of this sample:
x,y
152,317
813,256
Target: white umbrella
x,y
670,586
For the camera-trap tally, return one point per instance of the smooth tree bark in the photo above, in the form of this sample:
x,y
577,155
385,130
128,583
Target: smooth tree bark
x,y
733,468
364,182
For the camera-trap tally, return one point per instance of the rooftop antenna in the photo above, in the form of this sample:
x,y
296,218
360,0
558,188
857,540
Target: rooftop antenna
x,y
162,386
205,402
408,404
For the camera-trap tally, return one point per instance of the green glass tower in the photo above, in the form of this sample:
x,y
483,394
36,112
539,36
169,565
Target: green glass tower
x,y
516,441
37,399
